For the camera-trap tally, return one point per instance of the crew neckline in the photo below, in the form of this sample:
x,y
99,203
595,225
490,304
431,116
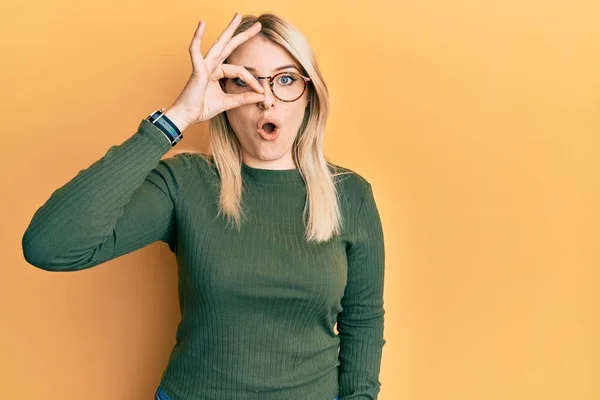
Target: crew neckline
x,y
272,175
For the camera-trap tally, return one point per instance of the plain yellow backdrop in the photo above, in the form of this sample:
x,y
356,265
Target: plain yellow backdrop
x,y
477,123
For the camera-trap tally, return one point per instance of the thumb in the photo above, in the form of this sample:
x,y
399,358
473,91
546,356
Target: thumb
x,y
237,100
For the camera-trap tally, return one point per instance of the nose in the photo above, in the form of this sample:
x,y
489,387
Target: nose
x,y
269,97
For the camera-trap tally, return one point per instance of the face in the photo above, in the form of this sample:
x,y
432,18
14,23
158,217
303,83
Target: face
x,y
262,57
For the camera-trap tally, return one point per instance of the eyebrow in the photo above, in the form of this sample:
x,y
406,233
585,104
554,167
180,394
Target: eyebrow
x,y
276,69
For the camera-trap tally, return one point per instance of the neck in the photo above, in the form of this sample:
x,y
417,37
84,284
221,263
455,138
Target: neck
x,y
271,175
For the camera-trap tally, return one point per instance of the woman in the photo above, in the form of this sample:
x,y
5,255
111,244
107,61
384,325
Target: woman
x,y
274,245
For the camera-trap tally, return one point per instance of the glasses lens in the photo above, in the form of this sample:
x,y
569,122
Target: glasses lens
x,y
288,86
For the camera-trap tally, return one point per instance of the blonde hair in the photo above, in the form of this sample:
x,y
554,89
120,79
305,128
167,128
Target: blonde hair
x,y
322,204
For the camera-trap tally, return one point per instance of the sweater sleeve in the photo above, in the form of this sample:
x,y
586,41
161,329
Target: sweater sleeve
x,y
120,203
360,324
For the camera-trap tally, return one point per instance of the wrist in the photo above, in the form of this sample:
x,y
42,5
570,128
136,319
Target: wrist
x,y
177,117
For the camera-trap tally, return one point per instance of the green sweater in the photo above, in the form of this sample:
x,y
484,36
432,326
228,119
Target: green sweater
x,y
258,307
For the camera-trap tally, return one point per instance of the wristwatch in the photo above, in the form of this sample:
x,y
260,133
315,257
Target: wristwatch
x,y
162,122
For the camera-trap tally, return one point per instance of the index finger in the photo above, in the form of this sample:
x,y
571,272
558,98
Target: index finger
x,y
232,71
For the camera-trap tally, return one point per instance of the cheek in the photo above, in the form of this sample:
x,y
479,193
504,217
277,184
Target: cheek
x,y
297,112
237,118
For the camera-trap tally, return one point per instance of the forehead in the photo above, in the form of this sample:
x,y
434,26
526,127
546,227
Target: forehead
x,y
262,54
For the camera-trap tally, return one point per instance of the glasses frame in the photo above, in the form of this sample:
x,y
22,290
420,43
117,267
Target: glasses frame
x,y
272,78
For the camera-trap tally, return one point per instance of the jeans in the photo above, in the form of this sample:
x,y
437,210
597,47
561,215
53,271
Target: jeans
x,y
161,395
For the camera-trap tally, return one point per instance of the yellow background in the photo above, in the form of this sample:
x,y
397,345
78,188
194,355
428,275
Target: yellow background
x,y
476,122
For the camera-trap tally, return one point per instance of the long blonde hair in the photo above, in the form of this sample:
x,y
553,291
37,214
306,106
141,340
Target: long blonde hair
x,y
322,204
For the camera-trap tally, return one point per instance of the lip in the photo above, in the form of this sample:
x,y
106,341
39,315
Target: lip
x,y
268,136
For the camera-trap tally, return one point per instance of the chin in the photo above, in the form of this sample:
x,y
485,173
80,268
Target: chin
x,y
266,155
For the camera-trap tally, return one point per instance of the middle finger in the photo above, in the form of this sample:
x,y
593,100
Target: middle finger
x,y
239,39
219,44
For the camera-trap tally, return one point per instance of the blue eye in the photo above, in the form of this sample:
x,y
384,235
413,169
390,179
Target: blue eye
x,y
290,80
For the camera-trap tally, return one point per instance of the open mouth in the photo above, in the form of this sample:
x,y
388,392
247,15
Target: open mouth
x,y
268,127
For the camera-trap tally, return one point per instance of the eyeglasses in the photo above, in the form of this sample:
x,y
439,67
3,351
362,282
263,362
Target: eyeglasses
x,y
286,86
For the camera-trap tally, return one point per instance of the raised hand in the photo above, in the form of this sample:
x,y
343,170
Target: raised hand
x,y
202,97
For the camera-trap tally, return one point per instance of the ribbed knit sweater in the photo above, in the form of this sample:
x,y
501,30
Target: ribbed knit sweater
x,y
258,306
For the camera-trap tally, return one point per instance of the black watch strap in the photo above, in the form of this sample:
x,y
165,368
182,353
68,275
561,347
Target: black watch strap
x,y
162,122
